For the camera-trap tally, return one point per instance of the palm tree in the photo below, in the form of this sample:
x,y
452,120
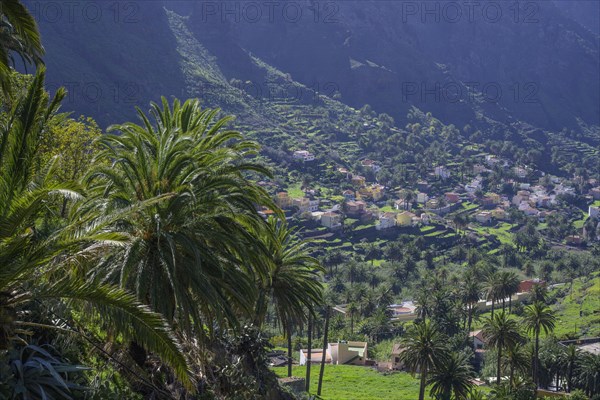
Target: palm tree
x,y
539,292
177,190
572,356
538,317
508,285
588,376
501,332
292,284
352,310
18,33
518,361
452,378
36,266
470,294
493,288
424,348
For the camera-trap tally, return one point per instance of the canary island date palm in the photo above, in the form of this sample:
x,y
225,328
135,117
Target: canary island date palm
x,y
424,349
34,266
18,34
177,189
517,359
470,293
501,332
293,285
537,318
588,374
508,286
452,379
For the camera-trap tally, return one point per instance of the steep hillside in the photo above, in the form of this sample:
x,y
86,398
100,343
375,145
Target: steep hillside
x,y
391,56
110,56
386,54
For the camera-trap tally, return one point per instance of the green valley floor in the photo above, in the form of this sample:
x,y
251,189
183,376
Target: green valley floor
x,y
345,382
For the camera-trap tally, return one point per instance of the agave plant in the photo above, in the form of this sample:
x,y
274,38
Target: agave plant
x,y
34,373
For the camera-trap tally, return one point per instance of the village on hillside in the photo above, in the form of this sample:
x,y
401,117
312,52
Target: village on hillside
x,y
447,202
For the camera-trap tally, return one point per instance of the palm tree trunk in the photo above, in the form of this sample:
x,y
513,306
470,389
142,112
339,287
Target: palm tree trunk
x,y
470,320
289,343
498,371
512,374
308,358
510,304
492,308
423,384
536,361
503,304
326,331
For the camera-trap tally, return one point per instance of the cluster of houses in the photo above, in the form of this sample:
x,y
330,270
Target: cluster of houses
x,y
532,200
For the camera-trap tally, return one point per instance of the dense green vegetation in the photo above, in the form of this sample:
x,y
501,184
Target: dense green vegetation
x,y
140,262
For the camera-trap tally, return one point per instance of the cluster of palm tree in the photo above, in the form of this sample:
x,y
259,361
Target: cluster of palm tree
x,y
501,286
449,373
504,334
426,351
161,242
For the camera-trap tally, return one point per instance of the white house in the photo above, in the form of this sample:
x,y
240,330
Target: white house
x,y
403,312
442,172
331,220
484,217
402,205
343,352
303,155
477,338
520,172
386,221
594,212
316,355
313,205
422,198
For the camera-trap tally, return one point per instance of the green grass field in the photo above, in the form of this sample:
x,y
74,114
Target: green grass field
x,y
345,382
501,231
585,298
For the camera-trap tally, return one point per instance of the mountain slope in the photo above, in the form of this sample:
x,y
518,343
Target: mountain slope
x,y
538,65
